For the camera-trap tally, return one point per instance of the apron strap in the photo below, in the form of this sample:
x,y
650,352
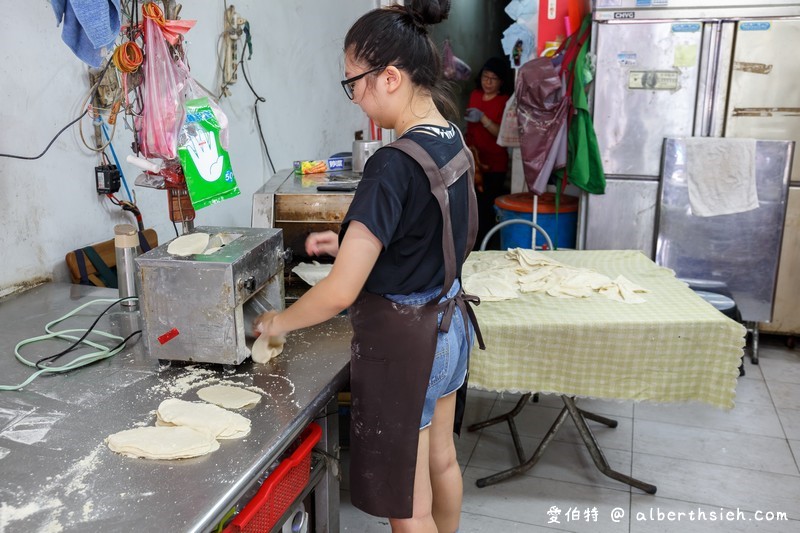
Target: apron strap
x,y
472,224
466,301
440,180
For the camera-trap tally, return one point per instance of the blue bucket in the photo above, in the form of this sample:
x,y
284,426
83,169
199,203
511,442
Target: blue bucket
x,y
520,206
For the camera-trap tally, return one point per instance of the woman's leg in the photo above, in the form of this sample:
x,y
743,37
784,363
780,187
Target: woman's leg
x,y
445,473
422,521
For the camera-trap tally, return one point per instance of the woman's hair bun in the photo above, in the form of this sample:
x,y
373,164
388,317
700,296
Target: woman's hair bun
x,y
427,12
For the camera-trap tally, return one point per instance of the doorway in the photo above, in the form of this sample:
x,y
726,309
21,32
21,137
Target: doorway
x,y
474,28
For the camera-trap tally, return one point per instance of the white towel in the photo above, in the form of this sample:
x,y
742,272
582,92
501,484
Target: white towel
x,y
721,175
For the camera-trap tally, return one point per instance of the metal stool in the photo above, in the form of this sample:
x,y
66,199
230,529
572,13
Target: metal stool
x,y
505,223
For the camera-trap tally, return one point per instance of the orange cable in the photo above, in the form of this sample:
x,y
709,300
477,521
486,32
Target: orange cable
x,y
127,57
152,11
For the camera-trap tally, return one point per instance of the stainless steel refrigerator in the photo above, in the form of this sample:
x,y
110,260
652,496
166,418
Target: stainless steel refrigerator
x,y
682,68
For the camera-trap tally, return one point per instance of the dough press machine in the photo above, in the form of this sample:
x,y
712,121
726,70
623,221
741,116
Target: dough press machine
x,y
200,308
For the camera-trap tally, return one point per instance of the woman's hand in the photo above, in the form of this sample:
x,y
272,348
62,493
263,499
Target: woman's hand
x,y
322,243
473,114
264,324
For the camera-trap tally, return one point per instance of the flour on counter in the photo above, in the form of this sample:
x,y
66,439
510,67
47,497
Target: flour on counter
x,y
73,480
287,380
194,377
87,510
9,513
78,473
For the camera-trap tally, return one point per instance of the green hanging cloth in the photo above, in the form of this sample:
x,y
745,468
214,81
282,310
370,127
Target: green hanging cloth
x,y
584,166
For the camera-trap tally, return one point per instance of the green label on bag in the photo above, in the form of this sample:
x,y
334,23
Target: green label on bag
x,y
206,165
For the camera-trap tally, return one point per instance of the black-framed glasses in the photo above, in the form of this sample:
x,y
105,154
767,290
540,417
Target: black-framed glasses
x,y
349,84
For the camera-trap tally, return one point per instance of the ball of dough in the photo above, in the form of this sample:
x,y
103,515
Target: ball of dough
x,y
265,348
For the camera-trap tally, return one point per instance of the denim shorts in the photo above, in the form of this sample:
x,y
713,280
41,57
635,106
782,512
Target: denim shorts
x,y
452,351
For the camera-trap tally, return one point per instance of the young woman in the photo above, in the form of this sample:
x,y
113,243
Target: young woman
x,y
409,228
483,115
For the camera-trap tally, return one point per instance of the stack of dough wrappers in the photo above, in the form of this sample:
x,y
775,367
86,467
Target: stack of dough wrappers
x,y
163,442
494,278
183,429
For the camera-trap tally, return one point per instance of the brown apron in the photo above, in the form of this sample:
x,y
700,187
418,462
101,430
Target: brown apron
x,y
392,355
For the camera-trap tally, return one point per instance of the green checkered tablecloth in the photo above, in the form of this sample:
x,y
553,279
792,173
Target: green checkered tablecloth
x,y
675,347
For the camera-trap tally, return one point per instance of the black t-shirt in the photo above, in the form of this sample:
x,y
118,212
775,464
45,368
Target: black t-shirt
x,y
394,201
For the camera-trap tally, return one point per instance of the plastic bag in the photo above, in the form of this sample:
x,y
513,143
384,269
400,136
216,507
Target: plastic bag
x,y
448,61
206,164
453,68
193,90
508,135
542,111
163,113
463,71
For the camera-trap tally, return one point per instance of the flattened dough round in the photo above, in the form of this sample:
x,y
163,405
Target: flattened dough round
x,y
221,423
177,442
190,244
312,273
265,348
229,397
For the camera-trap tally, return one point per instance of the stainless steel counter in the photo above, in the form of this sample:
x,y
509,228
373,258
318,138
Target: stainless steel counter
x,y
293,203
56,473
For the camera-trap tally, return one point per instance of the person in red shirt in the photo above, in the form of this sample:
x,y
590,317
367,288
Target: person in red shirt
x,y
483,115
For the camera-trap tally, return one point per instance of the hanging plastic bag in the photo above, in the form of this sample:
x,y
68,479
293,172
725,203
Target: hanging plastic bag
x,y
163,114
206,164
192,90
508,135
453,68
463,71
542,111
448,61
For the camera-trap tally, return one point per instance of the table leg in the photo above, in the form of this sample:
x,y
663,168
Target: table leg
x,y
326,493
595,451
578,416
512,426
526,465
597,418
753,327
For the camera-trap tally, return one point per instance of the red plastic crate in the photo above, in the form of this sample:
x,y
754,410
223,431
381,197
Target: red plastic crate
x,y
280,489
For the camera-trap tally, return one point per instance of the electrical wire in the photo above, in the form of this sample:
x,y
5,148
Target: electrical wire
x,y
103,352
258,100
77,342
99,119
62,130
85,104
128,206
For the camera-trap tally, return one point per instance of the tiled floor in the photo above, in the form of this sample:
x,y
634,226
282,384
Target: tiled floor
x,y
737,468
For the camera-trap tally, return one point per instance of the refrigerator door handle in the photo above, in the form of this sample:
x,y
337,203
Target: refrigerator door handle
x,y
726,33
715,66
